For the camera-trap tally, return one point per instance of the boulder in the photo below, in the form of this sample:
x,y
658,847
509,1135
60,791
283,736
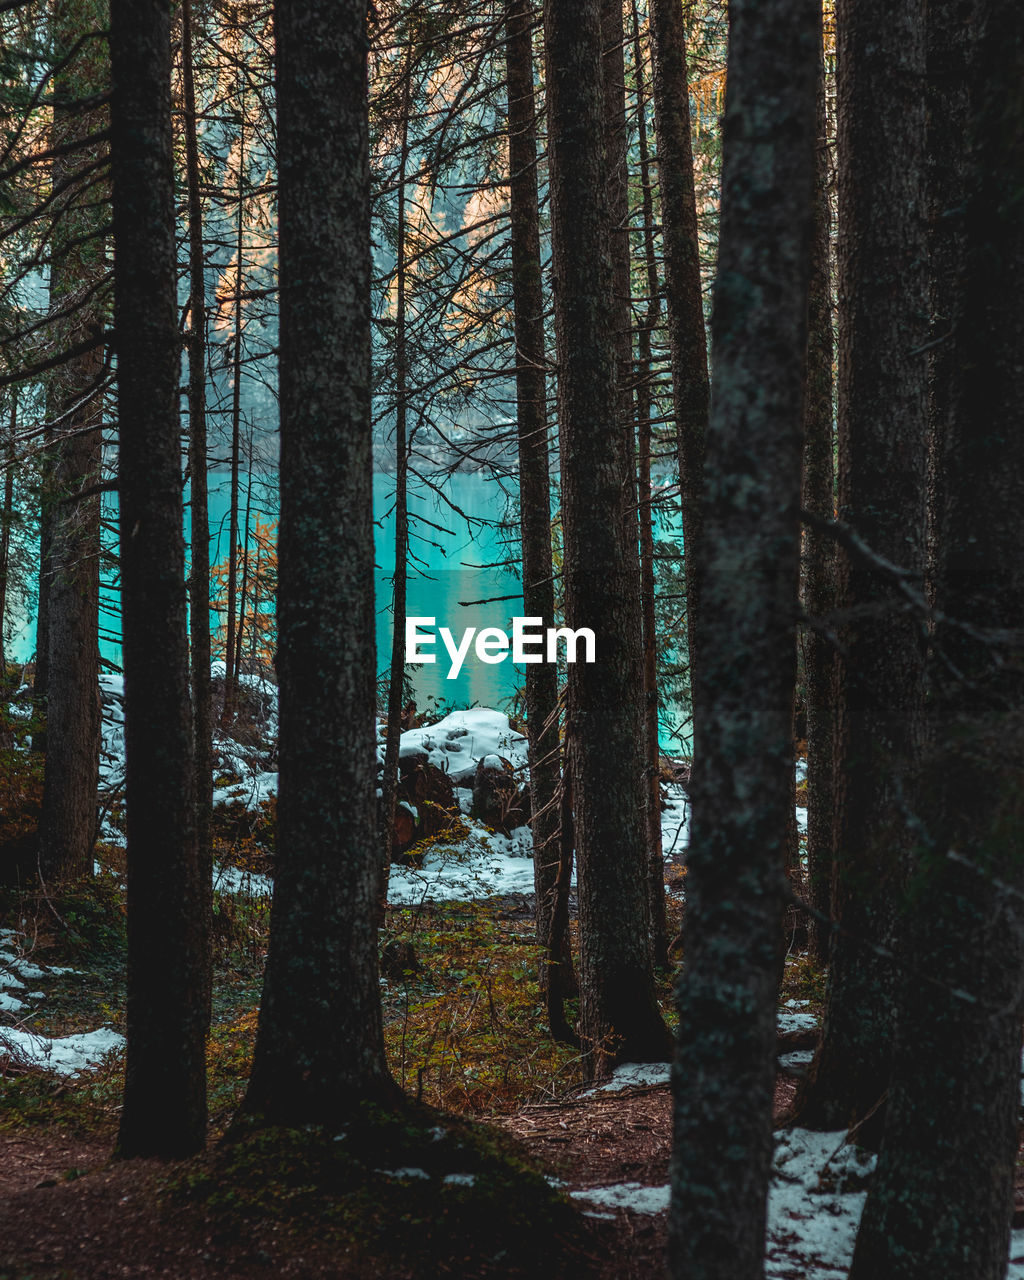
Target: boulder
x,y
497,800
429,790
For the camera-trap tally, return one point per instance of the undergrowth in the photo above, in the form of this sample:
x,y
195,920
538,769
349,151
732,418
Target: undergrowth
x,y
389,1192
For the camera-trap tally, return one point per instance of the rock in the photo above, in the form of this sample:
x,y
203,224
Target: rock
x,y
497,801
425,805
404,832
429,790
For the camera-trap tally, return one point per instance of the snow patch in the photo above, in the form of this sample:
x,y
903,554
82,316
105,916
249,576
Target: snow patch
x,y
626,1195
815,1200
633,1074
67,1056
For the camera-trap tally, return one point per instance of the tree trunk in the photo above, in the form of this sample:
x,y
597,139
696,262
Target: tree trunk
x,y
940,1206
725,1068
644,374
199,582
619,1015
616,143
818,557
320,1046
534,480
400,582
168,930
882,396
685,302
67,827
230,674
243,592
6,519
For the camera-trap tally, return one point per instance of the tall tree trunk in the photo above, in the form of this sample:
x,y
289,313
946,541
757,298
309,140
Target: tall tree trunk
x,y
6,519
818,558
244,589
619,1015
67,827
644,402
940,1205
320,1046
199,582
41,676
168,930
685,302
725,1068
882,397
534,480
401,579
616,144
230,674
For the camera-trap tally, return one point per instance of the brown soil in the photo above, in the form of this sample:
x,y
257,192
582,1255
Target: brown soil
x,y
67,1212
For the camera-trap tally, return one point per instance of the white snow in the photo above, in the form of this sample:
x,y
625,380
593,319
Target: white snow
x,y
67,1056
815,1201
484,864
626,1195
675,822
797,1058
247,883
403,1173
786,1021
456,743
459,1179
632,1074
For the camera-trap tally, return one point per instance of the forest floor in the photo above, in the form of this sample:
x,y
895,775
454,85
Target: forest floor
x,y
465,1033
68,1211
503,1163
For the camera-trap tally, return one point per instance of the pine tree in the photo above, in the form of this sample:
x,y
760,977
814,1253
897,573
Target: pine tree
x,y
78,301
320,1045
941,1202
724,1075
199,579
619,1016
168,932
881,406
534,478
684,301
818,554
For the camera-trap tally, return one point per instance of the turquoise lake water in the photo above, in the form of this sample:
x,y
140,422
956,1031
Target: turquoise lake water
x,y
457,562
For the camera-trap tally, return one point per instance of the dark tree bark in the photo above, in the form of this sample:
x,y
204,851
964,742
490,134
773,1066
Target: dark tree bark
x,y
199,582
168,931
724,1073
940,1206
644,406
947,36
558,934
684,300
320,1046
534,479
882,396
818,554
234,550
6,519
619,1015
244,552
616,142
41,676
70,577
399,586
